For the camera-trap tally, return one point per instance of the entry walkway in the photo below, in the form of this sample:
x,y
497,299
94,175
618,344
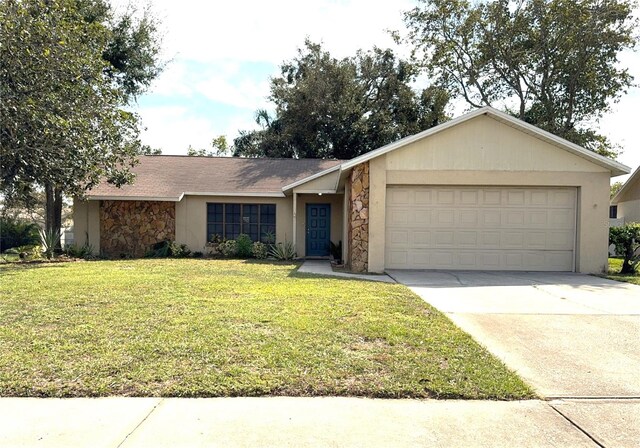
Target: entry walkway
x,y
308,422
323,267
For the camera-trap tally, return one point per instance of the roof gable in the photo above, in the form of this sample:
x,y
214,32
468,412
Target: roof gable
x,y
485,144
630,186
614,167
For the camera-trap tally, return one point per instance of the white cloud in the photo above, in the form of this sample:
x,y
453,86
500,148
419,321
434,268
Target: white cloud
x,y
173,81
235,91
173,129
271,31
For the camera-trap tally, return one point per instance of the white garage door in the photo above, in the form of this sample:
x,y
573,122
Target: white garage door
x,y
486,228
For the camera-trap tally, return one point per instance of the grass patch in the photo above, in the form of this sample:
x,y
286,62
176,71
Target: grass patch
x,y
204,328
615,264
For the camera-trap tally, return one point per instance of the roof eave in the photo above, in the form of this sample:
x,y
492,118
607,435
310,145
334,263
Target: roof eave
x,y
266,194
133,198
626,186
302,181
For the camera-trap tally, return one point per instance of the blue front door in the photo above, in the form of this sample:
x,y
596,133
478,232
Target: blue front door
x,y
318,229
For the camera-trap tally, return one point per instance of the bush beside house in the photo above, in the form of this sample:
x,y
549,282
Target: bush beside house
x,y
626,239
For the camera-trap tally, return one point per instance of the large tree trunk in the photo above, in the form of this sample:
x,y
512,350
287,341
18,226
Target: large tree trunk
x,y
53,211
49,209
57,215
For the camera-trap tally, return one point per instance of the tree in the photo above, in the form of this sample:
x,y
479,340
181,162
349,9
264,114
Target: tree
x,y
626,238
219,147
67,69
147,150
552,63
340,108
615,187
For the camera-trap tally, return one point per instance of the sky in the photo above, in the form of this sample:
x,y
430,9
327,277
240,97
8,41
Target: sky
x,y
222,54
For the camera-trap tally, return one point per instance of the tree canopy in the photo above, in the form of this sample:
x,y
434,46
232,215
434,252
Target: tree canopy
x,y
552,63
219,148
340,108
68,68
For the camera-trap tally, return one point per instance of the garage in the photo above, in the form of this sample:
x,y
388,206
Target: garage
x,y
480,228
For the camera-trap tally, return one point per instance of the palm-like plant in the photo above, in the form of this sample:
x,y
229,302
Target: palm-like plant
x,y
50,240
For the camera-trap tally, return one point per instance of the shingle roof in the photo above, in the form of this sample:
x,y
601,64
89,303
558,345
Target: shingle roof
x,y
169,177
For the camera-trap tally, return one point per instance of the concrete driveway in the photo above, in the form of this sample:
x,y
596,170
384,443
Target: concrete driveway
x,y
575,338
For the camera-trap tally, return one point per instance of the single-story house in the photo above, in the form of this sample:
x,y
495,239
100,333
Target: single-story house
x,y
484,191
625,205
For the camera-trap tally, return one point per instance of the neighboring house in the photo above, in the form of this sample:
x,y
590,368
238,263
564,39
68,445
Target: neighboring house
x,y
483,191
625,205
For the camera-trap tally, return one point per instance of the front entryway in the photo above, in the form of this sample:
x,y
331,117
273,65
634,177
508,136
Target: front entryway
x,y
318,230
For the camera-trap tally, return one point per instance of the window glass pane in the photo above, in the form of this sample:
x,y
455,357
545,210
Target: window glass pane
x,y
267,223
250,213
216,229
214,220
214,212
268,214
231,231
232,213
252,231
217,212
265,230
210,231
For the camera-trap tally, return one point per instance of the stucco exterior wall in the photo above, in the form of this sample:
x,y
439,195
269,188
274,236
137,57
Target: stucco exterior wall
x,y
377,212
483,143
86,223
191,217
334,200
482,152
629,210
632,191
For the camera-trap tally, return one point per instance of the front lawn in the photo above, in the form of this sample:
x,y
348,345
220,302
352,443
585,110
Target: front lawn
x,y
615,264
224,328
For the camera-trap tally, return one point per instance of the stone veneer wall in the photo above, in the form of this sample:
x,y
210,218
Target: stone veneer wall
x,y
359,218
130,228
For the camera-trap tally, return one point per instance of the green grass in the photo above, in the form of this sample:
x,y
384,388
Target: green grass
x,y
615,264
201,328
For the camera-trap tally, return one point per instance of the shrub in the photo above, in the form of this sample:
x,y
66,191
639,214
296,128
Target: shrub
x,y
197,254
168,249
260,250
17,232
228,248
244,246
269,238
84,251
283,251
215,243
30,252
50,240
627,241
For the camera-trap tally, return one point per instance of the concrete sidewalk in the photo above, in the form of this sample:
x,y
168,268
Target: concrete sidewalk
x,y
323,267
307,422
